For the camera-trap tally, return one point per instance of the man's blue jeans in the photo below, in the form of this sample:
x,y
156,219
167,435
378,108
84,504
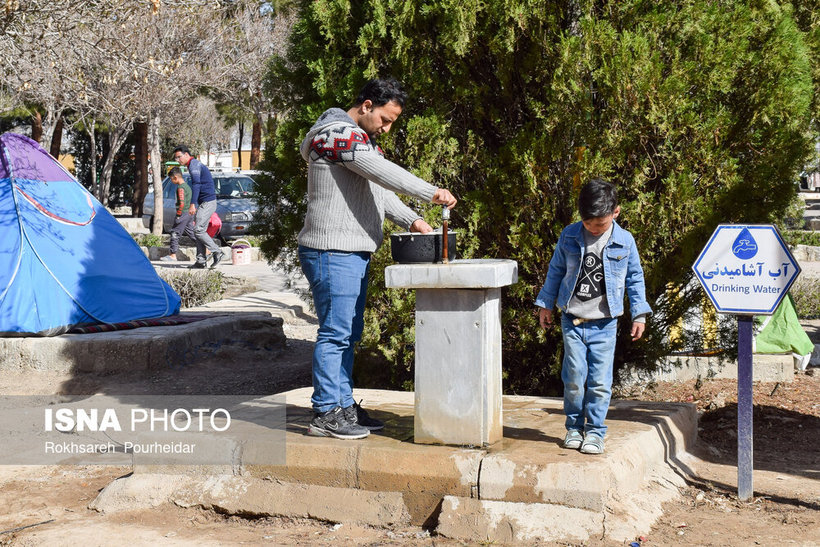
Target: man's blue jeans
x,y
338,281
589,351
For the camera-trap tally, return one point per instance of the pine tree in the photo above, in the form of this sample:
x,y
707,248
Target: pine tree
x,y
699,112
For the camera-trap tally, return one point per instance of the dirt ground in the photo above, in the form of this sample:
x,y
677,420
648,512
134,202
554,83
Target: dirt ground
x,y
785,509
47,505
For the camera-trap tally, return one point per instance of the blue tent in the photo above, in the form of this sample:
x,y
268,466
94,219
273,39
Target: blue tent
x,y
64,259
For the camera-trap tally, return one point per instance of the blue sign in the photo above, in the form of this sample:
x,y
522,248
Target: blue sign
x,y
746,270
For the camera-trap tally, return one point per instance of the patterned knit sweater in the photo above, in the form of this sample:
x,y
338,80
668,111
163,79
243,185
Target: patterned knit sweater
x,y
351,187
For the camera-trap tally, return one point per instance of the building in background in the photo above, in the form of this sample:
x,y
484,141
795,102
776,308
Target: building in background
x,y
229,159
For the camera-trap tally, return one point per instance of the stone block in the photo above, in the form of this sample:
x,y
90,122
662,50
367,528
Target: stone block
x,y
503,522
458,274
139,349
806,253
458,367
253,497
311,461
573,484
424,478
681,368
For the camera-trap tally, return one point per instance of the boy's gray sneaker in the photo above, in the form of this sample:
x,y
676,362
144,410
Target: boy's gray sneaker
x,y
333,423
593,444
573,439
355,414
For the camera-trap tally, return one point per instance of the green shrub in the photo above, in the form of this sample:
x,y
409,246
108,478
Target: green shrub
x,y
806,294
255,241
148,240
801,237
698,111
195,288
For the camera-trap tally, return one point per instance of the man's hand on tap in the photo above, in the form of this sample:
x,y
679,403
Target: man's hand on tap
x,y
441,197
444,197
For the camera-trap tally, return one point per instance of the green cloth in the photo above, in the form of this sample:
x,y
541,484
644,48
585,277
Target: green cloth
x,y
186,203
783,333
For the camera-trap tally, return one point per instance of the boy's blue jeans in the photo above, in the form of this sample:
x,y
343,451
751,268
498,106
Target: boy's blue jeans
x,y
589,351
338,281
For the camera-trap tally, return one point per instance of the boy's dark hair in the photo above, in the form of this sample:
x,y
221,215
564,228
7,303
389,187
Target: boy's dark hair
x,y
182,148
381,91
598,198
175,172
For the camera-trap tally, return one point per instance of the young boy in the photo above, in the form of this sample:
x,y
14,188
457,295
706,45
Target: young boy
x,y
183,222
594,261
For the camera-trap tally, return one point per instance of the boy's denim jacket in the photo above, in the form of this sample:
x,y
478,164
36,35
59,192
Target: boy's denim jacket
x,y
622,271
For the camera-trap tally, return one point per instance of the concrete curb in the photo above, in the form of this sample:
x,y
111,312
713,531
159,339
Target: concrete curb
x,y
766,368
139,349
254,498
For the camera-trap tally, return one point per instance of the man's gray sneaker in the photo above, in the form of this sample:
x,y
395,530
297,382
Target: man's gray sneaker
x,y
333,423
217,256
355,414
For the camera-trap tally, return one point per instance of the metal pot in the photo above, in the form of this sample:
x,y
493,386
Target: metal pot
x,y
414,248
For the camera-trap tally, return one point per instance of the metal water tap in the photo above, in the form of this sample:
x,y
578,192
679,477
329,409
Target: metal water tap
x,y
445,217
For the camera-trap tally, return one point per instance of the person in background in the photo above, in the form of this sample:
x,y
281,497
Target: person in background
x,y
203,205
183,221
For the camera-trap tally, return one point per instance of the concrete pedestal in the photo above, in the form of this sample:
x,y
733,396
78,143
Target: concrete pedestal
x,y
458,348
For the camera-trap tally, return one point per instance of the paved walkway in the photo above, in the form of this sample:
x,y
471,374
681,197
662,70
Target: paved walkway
x,y
279,293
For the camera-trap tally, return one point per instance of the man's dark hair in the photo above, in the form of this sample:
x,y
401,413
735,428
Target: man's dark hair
x,y
381,91
182,148
598,198
175,172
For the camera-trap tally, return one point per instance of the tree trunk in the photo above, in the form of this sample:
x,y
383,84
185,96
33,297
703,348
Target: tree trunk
x,y
239,145
48,125
156,171
116,138
140,167
57,138
256,143
36,126
92,151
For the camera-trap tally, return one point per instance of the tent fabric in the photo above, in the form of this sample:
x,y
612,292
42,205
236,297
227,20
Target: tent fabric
x,y
64,259
782,332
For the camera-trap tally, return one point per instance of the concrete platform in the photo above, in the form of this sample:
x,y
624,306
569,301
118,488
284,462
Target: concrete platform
x,y
521,488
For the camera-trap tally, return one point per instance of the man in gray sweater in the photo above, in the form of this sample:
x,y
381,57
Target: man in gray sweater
x,y
351,188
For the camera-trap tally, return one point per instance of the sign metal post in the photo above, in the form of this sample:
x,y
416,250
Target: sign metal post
x,y
745,439
745,270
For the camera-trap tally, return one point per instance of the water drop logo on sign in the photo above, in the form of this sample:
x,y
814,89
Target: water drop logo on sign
x,y
746,269
745,246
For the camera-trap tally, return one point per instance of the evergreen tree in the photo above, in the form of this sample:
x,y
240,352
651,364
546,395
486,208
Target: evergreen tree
x,y
699,111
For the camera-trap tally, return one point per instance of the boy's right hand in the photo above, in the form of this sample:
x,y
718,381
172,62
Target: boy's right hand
x,y
545,317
